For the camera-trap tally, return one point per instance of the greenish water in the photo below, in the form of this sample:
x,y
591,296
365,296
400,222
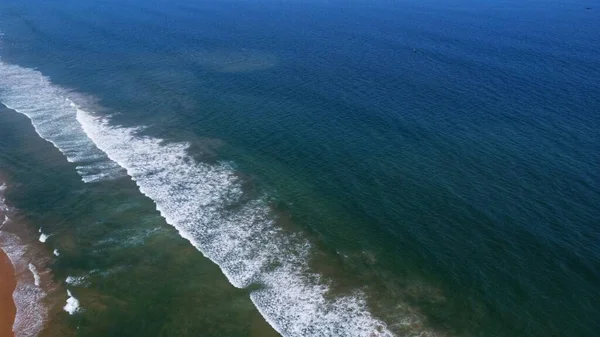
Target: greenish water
x,y
146,280
314,168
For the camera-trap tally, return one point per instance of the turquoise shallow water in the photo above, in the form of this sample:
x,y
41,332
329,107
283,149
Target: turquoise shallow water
x,y
318,169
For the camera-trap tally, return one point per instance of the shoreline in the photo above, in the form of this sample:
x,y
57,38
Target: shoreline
x,y
8,283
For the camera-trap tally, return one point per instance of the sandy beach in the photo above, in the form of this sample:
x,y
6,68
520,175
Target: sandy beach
x,y
7,305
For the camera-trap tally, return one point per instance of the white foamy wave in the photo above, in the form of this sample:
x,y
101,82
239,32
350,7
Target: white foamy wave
x,y
76,280
28,296
3,207
72,306
53,116
43,237
31,291
197,200
36,275
85,280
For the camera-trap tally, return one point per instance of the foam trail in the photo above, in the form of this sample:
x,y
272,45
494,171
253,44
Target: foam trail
x,y
197,200
76,280
36,275
53,116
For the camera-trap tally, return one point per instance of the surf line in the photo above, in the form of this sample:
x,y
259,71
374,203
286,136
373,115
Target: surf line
x,y
245,243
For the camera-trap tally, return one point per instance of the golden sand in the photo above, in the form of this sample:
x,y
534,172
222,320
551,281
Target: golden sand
x,y
8,283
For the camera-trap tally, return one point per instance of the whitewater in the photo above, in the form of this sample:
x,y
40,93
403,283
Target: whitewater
x,y
204,202
53,117
29,294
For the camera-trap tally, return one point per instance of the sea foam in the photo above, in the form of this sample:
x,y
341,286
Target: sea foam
x,y
77,280
196,199
28,296
53,116
43,237
72,306
36,275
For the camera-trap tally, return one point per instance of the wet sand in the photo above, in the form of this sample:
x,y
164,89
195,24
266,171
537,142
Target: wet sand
x,y
7,305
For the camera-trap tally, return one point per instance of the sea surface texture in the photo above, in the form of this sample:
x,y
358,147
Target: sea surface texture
x,y
301,168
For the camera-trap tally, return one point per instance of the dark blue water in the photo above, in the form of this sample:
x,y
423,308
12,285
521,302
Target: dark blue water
x,y
443,155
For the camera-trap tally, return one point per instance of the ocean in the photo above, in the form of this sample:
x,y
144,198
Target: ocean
x,y
301,168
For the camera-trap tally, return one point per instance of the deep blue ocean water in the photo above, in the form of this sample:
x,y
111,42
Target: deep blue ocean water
x,y
440,159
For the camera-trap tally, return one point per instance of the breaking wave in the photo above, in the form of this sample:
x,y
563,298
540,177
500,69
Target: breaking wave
x,y
52,114
72,306
205,203
30,291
